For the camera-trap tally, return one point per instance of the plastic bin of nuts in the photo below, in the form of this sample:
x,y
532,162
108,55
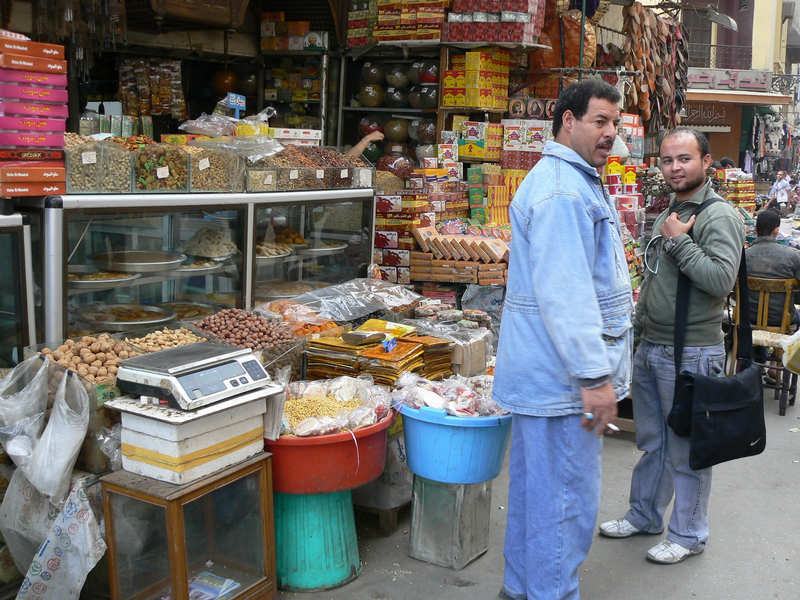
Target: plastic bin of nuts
x,y
116,168
83,168
161,168
291,179
214,169
262,179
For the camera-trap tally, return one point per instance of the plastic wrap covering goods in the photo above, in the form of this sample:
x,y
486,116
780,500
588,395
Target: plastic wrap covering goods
x,y
357,298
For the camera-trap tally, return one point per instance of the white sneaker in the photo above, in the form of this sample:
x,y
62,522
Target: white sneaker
x,y
618,528
670,553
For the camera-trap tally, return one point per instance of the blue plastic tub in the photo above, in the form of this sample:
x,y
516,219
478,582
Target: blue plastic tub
x,y
454,449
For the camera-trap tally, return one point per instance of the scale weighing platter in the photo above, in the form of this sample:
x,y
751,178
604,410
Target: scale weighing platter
x,y
193,376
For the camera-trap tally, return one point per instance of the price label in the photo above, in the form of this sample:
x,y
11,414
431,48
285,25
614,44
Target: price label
x,y
343,174
320,173
89,158
203,164
294,174
162,172
268,180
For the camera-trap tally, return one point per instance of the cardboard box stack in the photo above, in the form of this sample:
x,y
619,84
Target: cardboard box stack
x,y
459,258
296,137
293,82
741,189
278,34
437,356
33,105
632,133
477,79
361,21
405,20
511,21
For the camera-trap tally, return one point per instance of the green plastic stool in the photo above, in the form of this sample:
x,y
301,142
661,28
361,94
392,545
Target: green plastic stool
x,y
315,541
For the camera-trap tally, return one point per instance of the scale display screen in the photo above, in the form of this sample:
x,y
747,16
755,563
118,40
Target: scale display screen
x,y
210,381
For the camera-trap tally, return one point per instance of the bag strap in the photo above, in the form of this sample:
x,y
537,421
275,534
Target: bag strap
x,y
745,350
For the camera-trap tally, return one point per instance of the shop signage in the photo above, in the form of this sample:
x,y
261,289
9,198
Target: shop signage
x,y
729,79
237,102
706,113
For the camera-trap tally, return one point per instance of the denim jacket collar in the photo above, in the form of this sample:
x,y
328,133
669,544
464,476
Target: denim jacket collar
x,y
569,155
765,239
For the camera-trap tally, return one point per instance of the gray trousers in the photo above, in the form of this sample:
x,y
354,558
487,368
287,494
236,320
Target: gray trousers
x,y
663,471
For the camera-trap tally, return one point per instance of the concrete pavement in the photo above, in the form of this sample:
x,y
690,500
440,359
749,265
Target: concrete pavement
x,y
753,552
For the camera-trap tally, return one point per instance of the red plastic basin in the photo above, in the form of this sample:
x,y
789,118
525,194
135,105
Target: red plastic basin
x,y
329,463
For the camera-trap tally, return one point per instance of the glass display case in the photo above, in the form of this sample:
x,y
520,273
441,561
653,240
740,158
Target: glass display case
x,y
178,542
301,247
17,319
132,262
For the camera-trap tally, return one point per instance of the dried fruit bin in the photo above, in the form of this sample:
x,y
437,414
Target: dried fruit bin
x,y
340,177
161,168
261,179
116,169
83,168
291,179
363,177
214,170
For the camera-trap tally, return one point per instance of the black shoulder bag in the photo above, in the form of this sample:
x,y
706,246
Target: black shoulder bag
x,y
722,416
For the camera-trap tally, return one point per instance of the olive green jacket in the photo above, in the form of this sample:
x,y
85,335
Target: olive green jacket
x,y
710,260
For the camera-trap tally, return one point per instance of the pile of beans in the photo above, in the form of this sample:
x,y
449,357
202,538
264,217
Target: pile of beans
x,y
245,329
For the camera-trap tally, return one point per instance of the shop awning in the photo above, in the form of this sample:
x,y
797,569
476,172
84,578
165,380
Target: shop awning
x,y
737,96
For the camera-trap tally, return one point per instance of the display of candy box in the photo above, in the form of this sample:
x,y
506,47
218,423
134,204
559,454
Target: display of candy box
x,y
38,109
32,171
388,204
32,124
386,239
32,189
28,63
33,78
31,48
18,138
16,91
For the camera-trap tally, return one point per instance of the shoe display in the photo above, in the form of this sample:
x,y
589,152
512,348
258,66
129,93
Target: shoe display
x,y
670,553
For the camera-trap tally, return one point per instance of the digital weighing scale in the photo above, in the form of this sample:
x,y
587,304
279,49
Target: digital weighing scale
x,y
193,376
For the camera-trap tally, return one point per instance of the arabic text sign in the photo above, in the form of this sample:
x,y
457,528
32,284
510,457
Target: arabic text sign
x,y
706,113
729,79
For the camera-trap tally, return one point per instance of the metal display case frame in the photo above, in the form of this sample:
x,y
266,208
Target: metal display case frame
x,y
17,224
54,209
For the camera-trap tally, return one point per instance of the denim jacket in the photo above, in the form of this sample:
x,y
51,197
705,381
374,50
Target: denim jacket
x,y
567,312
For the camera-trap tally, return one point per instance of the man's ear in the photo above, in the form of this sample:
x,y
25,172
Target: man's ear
x,y
568,121
707,160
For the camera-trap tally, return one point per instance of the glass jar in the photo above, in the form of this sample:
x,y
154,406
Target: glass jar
x,y
89,123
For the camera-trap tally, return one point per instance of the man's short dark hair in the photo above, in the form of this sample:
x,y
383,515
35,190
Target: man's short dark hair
x,y
727,163
576,98
766,222
699,136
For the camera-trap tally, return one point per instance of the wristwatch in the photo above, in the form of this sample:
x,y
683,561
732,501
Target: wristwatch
x,y
669,244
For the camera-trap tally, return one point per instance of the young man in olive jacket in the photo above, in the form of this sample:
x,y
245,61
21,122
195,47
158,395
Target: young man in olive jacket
x,y
710,258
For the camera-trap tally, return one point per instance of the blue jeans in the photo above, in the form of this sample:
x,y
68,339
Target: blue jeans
x,y
553,497
663,470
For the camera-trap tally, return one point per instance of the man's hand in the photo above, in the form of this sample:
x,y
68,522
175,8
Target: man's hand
x,y
374,136
602,404
673,226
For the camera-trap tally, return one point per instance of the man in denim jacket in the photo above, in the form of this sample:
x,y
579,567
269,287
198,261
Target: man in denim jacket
x,y
563,358
710,258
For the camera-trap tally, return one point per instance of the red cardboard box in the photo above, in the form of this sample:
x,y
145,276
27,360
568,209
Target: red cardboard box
x,y
33,78
36,172
29,92
31,48
27,154
31,189
28,63
26,138
37,109
33,124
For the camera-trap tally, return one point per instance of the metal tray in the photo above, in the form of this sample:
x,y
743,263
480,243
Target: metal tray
x,y
199,305
323,249
138,261
200,270
101,284
91,313
260,258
